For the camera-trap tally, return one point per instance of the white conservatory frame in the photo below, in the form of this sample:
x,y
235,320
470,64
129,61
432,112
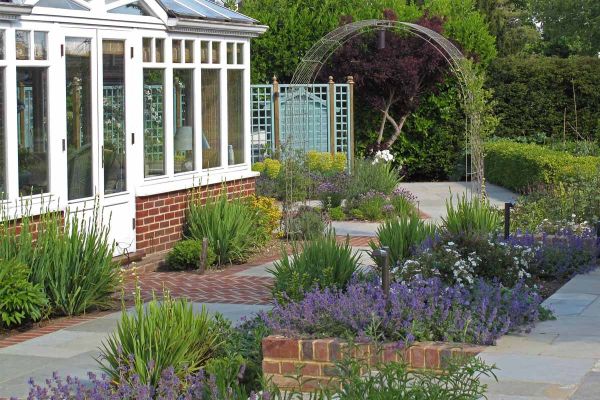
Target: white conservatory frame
x,y
97,24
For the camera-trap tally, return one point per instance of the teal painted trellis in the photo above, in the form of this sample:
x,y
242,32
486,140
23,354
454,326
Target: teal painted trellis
x,y
326,122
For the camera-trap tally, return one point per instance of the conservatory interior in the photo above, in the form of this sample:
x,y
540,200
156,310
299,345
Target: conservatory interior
x,y
118,102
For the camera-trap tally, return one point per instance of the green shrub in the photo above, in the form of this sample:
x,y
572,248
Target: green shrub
x,y
305,224
470,217
555,207
370,206
402,235
324,263
519,166
368,177
336,214
72,258
186,255
20,300
163,333
535,94
229,226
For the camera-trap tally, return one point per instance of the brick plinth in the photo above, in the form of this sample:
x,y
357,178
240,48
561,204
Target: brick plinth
x,y
314,359
160,218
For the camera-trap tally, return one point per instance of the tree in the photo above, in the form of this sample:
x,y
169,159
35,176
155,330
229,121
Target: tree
x,y
391,79
569,27
511,23
295,25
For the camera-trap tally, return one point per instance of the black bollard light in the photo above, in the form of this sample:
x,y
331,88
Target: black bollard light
x,y
383,257
507,207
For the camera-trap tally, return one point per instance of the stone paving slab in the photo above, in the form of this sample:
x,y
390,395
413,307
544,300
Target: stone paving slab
x,y
564,303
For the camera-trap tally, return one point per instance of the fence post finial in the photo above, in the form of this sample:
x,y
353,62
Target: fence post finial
x,y
331,80
275,79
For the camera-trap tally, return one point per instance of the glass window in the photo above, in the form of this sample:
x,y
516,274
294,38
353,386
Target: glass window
x,y
1,44
235,116
32,129
204,52
64,4
230,47
159,46
189,51
135,8
2,149
79,112
40,46
22,45
176,51
154,126
147,49
216,52
113,71
240,53
183,121
211,118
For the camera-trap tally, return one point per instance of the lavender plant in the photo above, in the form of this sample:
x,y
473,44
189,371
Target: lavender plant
x,y
421,309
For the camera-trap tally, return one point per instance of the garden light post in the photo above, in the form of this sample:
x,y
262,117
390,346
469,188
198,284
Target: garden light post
x,y
507,207
382,255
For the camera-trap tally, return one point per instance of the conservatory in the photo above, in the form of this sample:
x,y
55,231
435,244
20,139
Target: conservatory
x,y
123,103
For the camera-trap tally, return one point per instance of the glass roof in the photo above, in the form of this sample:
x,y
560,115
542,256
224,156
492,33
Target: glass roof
x,y
203,9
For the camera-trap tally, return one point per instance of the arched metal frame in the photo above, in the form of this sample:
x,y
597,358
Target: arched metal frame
x,y
314,60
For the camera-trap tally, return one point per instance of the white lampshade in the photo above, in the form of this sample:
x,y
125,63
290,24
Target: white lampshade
x,y
184,139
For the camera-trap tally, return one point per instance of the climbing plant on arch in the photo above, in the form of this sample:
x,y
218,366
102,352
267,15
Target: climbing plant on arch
x,y
474,98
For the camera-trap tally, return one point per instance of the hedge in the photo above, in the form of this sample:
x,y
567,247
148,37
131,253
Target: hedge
x,y
519,166
533,94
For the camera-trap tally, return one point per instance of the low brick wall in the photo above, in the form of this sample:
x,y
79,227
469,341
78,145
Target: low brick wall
x,y
284,357
160,218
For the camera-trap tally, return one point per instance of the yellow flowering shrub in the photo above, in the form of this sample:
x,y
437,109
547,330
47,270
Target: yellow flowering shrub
x,y
324,162
268,212
272,167
258,167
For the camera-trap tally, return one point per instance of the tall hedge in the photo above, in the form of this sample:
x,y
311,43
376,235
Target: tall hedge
x,y
519,166
533,93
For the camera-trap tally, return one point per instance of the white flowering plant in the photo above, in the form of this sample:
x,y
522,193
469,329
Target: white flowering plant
x,y
384,156
461,261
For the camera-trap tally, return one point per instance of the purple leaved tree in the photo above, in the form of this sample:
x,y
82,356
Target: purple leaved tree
x,y
390,78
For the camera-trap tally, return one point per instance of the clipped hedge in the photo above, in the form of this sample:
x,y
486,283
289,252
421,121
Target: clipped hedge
x,y
518,166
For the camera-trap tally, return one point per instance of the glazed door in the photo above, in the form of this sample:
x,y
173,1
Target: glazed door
x,y
115,127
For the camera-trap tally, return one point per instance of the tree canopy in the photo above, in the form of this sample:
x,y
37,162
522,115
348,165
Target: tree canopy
x,y
393,78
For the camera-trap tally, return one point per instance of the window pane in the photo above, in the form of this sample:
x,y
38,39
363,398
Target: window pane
x,y
2,149
176,51
240,53
189,51
147,44
154,126
32,130
160,49
211,118
235,116
230,53
183,121
135,8
79,117
22,45
1,44
216,52
39,39
113,71
204,52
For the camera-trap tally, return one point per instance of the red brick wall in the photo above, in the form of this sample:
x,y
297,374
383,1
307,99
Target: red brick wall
x,y
284,357
159,218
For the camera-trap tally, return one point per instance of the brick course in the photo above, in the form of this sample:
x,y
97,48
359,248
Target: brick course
x,y
315,358
159,218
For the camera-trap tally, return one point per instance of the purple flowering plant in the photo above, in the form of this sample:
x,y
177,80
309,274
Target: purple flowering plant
x,y
421,309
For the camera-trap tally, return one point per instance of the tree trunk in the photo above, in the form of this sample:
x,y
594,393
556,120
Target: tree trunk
x,y
397,130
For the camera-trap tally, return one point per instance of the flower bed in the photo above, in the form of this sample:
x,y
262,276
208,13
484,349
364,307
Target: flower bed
x,y
315,359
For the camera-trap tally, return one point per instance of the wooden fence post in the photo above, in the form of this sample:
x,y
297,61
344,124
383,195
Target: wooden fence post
x,y
331,98
276,116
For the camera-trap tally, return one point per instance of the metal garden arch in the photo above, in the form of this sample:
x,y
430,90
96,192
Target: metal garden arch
x,y
314,60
